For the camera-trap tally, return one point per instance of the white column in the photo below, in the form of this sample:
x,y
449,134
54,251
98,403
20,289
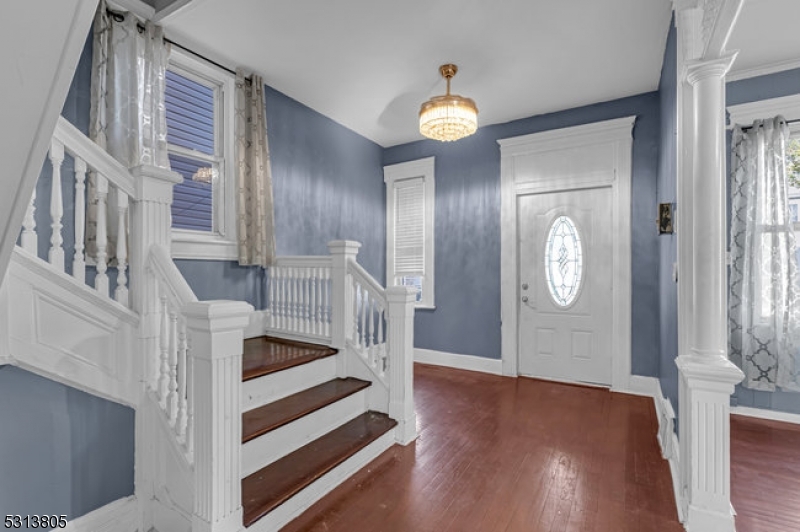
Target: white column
x,y
707,377
342,252
400,339
216,334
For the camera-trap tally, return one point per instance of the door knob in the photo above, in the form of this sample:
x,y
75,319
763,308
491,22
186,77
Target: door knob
x,y
524,286
524,299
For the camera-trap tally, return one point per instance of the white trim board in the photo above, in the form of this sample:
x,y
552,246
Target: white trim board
x,y
493,366
744,114
762,413
763,70
121,515
617,136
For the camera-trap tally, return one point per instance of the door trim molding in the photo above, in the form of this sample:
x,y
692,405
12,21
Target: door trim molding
x,y
617,134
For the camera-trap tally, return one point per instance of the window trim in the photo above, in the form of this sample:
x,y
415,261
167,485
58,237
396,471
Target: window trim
x,y
423,168
188,244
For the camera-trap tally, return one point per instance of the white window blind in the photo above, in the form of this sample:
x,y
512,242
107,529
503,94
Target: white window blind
x,y
409,237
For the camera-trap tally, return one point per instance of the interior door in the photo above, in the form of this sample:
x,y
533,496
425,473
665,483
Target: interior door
x,y
565,285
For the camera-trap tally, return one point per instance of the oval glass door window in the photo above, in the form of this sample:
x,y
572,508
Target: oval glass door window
x,y
563,261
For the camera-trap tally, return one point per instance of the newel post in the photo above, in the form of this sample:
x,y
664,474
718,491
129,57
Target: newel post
x,y
400,340
216,335
342,253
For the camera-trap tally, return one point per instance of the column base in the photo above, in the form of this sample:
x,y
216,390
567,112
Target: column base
x,y
230,523
704,520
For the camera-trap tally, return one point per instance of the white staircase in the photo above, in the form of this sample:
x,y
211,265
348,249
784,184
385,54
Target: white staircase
x,y
139,336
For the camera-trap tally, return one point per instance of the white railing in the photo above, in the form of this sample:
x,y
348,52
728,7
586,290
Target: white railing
x,y
299,297
171,381
112,180
369,306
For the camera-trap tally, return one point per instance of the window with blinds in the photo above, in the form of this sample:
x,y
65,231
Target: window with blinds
x,y
409,239
191,138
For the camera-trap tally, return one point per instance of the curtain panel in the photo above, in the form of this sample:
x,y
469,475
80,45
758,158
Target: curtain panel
x,y
254,200
763,303
128,116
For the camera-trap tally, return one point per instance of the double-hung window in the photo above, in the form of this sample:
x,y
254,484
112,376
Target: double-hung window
x,y
199,109
410,191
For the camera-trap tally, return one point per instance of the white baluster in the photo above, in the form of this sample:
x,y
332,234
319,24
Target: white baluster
x,y
364,300
189,405
356,298
281,296
29,240
78,260
312,302
306,315
163,383
292,300
101,280
121,293
56,255
182,375
381,341
273,296
370,324
172,400
326,302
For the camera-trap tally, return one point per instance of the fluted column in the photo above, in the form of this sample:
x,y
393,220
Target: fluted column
x,y
707,377
400,343
216,334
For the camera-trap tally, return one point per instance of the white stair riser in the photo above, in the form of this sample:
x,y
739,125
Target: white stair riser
x,y
270,388
292,508
276,444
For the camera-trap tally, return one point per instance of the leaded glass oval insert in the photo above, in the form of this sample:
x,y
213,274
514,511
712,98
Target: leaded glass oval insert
x,y
563,261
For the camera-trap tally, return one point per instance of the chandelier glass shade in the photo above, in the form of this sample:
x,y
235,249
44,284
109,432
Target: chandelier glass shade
x,y
449,117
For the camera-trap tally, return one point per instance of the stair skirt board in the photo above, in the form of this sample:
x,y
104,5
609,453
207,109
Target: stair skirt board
x,y
121,515
277,443
269,388
296,505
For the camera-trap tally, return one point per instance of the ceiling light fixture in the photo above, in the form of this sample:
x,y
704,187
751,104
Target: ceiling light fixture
x,y
449,117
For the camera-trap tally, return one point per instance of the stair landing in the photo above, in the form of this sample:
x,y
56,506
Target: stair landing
x,y
266,354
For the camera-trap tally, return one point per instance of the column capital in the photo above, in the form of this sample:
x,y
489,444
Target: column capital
x,y
709,68
344,247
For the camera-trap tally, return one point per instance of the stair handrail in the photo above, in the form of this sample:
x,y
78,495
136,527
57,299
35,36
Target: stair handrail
x,y
162,265
368,331
76,143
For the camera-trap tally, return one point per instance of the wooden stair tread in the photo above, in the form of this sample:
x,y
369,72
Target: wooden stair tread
x,y
266,354
271,486
273,415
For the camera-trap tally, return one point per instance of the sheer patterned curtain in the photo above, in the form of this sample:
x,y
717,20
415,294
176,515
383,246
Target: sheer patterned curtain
x,y
764,309
255,214
128,117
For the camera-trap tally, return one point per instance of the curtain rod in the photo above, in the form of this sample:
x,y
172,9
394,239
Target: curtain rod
x,y
119,17
751,127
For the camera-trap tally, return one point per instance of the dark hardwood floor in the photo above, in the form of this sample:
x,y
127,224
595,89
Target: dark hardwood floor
x,y
502,454
765,475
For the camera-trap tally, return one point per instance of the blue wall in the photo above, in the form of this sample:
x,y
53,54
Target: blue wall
x,y
744,91
62,451
467,230
668,244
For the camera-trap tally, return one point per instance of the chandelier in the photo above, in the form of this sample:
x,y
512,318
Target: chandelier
x,y
449,117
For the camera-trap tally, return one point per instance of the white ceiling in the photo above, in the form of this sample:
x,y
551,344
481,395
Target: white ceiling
x,y
369,64
767,37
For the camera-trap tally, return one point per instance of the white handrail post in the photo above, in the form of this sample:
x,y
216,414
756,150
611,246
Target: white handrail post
x,y
342,253
400,339
216,335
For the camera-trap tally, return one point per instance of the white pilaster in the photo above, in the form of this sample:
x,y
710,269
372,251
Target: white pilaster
x,y
707,377
216,335
400,339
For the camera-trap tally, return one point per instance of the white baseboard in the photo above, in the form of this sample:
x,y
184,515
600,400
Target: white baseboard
x,y
453,360
761,413
667,439
119,516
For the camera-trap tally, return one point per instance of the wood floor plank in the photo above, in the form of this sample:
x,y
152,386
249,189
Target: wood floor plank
x,y
274,415
510,455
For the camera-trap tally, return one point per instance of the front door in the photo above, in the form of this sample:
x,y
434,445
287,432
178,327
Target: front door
x,y
565,285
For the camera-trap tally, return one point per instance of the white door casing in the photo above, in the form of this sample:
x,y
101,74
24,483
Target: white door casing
x,y
590,156
568,339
